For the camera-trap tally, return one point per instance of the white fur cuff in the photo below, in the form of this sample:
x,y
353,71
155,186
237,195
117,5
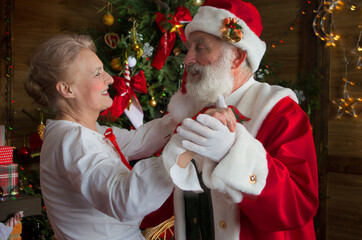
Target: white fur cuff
x,y
244,169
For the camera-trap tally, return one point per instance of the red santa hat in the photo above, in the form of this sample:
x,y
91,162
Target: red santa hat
x,y
213,16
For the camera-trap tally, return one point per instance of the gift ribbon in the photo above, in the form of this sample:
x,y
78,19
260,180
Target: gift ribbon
x,y
125,88
109,135
182,14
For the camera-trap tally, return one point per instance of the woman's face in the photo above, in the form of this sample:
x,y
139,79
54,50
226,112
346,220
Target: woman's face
x,y
90,83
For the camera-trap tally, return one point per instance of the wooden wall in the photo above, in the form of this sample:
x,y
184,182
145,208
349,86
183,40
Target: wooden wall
x,y
338,140
341,164
344,178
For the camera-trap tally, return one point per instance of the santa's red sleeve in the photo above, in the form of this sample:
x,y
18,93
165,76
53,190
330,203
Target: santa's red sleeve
x,y
289,198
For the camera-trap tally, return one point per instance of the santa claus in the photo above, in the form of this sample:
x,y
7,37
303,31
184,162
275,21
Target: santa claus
x,y
259,182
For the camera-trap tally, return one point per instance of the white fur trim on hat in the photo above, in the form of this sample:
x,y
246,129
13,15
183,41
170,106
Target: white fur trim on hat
x,y
210,20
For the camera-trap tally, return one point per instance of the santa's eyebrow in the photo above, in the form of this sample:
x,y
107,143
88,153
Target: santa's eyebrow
x,y
204,41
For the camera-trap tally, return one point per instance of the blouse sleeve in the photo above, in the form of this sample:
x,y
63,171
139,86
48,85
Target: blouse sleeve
x,y
108,185
145,140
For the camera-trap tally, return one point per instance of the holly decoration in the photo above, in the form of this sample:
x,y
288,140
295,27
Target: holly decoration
x,y
231,30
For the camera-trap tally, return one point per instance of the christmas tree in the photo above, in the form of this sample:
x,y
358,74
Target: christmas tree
x,y
142,47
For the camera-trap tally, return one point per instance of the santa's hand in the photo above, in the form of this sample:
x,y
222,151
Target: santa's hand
x,y
207,137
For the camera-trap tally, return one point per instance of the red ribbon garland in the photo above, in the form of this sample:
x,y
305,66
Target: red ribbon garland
x,y
109,135
124,93
168,38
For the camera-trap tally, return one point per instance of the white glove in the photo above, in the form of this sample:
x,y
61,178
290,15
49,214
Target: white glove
x,y
220,103
207,137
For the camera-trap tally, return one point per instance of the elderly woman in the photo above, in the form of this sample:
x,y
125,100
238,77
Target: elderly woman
x,y
88,187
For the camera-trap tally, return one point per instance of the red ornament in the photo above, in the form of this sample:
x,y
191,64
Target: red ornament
x,y
35,142
24,153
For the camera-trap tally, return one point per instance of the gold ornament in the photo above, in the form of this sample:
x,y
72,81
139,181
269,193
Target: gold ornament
x,y
231,30
41,126
197,2
136,47
177,51
40,130
116,64
153,102
108,19
176,28
129,104
139,53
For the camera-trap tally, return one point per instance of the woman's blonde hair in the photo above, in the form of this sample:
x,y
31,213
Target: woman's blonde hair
x,y
49,63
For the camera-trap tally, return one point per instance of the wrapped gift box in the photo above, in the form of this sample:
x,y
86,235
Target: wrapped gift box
x,y
9,179
6,155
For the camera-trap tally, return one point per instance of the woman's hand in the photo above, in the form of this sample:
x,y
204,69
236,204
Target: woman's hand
x,y
224,114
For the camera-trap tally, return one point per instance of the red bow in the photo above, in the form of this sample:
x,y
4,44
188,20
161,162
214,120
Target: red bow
x,y
125,90
182,14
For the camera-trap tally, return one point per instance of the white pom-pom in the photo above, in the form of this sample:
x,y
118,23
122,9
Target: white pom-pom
x,y
131,61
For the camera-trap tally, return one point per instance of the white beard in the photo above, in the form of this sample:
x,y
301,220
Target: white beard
x,y
215,80
203,91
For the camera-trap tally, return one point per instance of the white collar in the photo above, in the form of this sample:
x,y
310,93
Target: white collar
x,y
234,98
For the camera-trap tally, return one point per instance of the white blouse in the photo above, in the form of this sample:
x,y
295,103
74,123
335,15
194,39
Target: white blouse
x,y
88,192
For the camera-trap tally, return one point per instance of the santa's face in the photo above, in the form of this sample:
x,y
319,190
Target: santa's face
x,y
208,65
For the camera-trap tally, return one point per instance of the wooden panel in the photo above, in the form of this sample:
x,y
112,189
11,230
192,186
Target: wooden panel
x,y
345,137
344,208
34,22
276,18
345,165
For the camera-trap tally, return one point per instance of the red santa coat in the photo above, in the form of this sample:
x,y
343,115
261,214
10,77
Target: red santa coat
x,y
266,187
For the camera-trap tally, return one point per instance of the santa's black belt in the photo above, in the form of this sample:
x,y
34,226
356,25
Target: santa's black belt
x,y
199,213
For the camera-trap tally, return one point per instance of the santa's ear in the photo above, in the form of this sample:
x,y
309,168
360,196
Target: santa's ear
x,y
65,90
240,56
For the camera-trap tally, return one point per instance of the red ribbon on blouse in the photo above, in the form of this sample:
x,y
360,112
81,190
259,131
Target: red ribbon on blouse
x,y
109,135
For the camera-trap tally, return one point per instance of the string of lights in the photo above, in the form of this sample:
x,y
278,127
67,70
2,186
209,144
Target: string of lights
x,y
325,29
7,64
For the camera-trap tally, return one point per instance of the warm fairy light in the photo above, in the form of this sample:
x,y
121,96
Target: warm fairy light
x,y
353,7
300,13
